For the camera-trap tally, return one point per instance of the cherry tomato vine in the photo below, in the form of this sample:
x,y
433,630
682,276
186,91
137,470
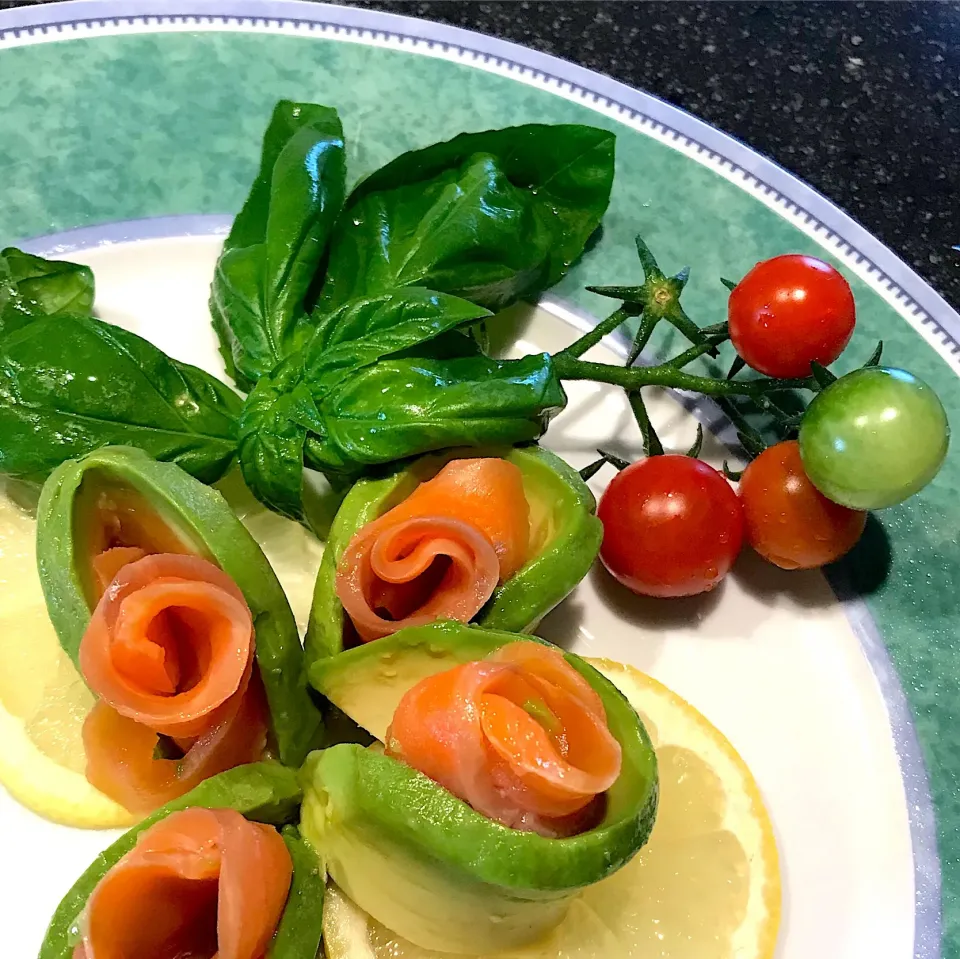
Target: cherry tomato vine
x,y
868,439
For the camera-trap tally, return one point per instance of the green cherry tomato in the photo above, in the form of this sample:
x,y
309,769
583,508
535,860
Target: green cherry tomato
x,y
873,438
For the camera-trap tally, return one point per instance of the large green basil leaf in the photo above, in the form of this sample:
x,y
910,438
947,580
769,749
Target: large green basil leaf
x,y
31,286
402,407
491,216
282,408
278,239
71,384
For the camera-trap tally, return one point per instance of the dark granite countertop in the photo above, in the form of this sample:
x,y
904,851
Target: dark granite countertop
x,y
862,100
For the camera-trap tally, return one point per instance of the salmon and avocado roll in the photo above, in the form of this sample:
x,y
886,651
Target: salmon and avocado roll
x,y
494,537
177,623
220,873
507,776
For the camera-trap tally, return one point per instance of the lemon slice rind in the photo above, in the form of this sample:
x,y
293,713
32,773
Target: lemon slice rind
x,y
49,789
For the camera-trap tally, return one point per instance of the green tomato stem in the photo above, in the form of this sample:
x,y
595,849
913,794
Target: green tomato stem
x,y
568,367
651,442
591,339
707,346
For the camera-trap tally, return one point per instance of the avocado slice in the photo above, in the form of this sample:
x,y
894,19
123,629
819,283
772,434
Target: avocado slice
x,y
265,792
565,539
187,514
301,925
421,861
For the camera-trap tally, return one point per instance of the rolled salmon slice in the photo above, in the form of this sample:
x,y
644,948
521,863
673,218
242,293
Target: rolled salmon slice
x,y
201,883
169,643
541,664
107,565
440,553
415,572
513,736
169,652
120,526
122,759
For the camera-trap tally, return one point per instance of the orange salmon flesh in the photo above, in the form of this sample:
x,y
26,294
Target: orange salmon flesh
x,y
440,553
201,883
521,736
169,652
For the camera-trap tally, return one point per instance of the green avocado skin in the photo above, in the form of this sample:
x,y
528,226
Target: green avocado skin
x,y
301,926
265,792
418,859
552,486
202,518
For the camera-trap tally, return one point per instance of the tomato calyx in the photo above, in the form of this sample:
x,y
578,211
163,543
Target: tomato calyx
x,y
694,451
656,299
822,375
733,475
620,464
588,472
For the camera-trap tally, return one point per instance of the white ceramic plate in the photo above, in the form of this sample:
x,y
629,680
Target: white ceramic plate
x,y
769,657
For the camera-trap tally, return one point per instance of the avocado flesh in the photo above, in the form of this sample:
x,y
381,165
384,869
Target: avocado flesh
x,y
202,520
421,861
99,498
565,539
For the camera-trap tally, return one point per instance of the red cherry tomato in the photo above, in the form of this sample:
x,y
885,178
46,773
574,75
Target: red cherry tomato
x,y
789,521
672,526
788,311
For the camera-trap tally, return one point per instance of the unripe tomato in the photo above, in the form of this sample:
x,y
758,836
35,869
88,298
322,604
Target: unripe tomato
x,y
873,438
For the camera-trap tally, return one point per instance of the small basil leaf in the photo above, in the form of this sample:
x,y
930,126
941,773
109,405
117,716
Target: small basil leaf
x,y
278,239
70,384
402,407
31,286
50,286
273,428
491,217
365,330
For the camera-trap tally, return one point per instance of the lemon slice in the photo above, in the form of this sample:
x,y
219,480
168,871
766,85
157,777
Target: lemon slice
x,y
43,700
706,886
